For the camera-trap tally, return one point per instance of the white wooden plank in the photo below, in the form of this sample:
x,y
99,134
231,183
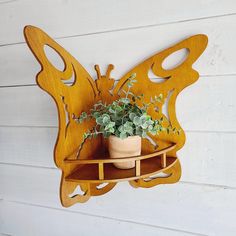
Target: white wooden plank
x,y
206,157
208,105
194,208
127,48
40,221
209,158
33,107
28,146
83,17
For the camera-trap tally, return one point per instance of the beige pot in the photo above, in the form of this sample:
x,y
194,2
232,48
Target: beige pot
x,y
127,147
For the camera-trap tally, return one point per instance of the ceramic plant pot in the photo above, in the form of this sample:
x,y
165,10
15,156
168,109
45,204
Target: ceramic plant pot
x,y
127,147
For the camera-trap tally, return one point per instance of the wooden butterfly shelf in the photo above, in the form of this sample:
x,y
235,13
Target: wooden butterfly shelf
x,y
93,171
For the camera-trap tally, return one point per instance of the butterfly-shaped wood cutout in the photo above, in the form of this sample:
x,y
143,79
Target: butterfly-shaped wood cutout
x,y
73,98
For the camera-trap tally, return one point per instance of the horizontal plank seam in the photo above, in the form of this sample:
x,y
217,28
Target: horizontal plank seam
x,y
180,182
69,83
56,127
132,28
30,126
29,166
209,131
106,217
217,75
5,234
207,185
7,1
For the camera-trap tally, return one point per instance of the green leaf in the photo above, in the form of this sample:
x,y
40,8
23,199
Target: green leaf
x,y
143,119
137,121
132,76
110,125
96,114
111,110
144,125
132,115
125,100
153,132
99,120
123,135
138,131
128,127
83,115
105,119
150,121
128,124
118,109
129,84
144,134
111,130
121,128
150,127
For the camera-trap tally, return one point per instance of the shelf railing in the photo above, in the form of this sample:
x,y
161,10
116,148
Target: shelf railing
x,y
100,162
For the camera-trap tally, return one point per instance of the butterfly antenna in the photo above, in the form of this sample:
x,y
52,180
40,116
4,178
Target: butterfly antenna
x,y
97,68
109,69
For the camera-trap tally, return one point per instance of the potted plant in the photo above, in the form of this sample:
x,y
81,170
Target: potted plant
x,y
124,123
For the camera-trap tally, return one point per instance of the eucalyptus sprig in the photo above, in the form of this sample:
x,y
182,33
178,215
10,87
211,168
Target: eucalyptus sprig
x,y
123,117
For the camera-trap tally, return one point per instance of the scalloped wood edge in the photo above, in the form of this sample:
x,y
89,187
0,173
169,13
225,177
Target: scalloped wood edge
x,y
71,100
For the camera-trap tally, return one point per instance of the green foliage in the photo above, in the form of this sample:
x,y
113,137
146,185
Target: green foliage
x,y
123,117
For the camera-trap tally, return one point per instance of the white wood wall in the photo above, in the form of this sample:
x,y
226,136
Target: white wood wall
x,y
122,33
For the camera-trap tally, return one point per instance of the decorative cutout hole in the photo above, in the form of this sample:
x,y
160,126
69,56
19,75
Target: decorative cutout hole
x,y
158,175
101,186
175,59
77,192
156,109
166,104
155,145
67,117
54,57
71,81
154,78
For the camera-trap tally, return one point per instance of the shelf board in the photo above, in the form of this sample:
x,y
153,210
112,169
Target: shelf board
x,y
89,173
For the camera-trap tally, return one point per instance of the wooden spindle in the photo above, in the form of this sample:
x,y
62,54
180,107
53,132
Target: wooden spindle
x,y
101,170
163,160
137,167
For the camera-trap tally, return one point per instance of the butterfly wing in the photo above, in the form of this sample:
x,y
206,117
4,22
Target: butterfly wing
x,y
71,100
175,80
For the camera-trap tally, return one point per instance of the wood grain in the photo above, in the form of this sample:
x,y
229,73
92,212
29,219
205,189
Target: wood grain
x,y
26,140
72,100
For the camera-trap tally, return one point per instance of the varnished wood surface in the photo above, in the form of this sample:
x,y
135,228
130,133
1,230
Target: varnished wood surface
x,y
84,92
90,174
106,159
